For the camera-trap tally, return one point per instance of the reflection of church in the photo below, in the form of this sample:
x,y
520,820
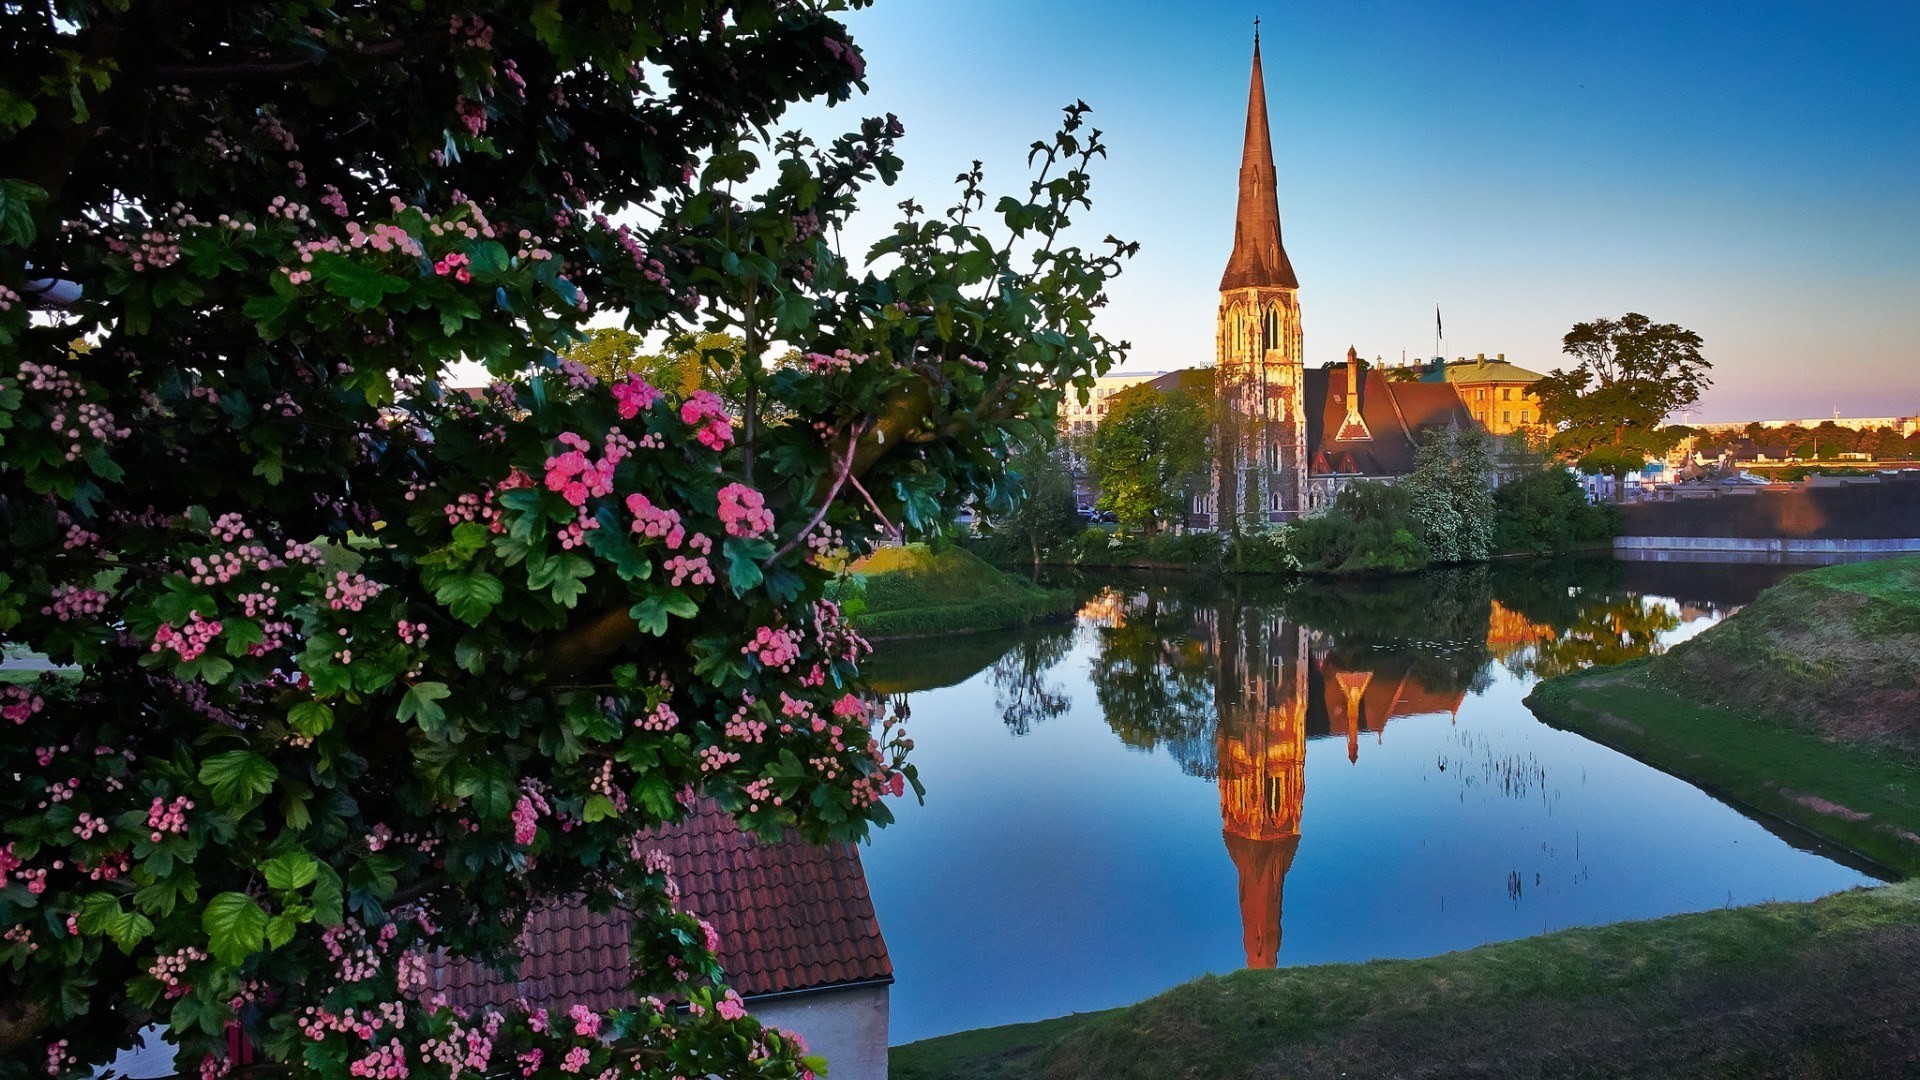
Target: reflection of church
x,y
1274,688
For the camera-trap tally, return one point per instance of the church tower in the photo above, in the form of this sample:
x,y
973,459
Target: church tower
x,y
1258,353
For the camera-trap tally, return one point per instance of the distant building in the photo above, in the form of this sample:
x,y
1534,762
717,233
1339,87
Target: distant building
x,y
1078,418
1497,394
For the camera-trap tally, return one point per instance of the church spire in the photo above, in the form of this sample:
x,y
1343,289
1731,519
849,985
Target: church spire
x,y
1259,260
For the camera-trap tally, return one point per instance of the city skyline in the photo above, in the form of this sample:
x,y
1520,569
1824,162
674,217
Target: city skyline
x,y
1749,179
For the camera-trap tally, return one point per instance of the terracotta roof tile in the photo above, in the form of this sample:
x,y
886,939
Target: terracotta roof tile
x,y
790,915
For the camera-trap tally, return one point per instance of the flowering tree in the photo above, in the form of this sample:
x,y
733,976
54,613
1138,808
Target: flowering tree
x,y
357,670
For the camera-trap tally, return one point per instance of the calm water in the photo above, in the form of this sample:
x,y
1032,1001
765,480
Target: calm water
x,y
1196,777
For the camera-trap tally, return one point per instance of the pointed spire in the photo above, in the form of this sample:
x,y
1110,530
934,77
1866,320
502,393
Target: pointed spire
x,y
1259,259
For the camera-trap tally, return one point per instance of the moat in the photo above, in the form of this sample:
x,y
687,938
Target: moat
x,y
1195,776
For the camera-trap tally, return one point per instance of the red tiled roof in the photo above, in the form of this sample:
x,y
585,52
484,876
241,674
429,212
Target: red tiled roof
x,y
790,915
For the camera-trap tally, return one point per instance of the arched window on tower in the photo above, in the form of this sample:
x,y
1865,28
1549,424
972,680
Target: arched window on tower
x,y
1273,327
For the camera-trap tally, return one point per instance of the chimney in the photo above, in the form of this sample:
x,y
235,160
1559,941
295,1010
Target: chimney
x,y
1502,358
1481,360
1353,427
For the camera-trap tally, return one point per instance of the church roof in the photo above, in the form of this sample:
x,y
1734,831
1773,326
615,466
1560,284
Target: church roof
x,y
1259,260
1394,413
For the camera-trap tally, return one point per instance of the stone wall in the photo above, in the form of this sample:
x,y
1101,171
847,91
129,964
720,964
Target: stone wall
x,y
1855,516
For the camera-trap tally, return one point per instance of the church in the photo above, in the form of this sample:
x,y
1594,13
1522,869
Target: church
x,y
1289,437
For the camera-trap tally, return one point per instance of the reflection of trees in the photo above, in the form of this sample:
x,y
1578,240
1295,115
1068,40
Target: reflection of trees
x,y
1021,690
1152,676
1592,616
1434,624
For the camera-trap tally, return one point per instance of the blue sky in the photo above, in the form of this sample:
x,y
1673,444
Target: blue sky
x,y
1749,171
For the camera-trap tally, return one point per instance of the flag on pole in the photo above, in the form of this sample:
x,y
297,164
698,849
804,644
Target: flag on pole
x,y
1437,331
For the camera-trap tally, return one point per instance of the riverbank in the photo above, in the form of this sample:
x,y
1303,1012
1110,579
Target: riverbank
x,y
1826,989
912,591
1804,706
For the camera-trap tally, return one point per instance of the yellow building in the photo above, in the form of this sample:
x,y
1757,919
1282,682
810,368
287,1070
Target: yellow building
x,y
1498,394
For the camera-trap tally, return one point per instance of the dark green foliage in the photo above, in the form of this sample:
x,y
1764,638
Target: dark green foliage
x,y
1046,514
1544,509
1451,492
1370,526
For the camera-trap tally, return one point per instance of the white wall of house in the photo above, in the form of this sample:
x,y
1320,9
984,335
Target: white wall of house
x,y
845,1025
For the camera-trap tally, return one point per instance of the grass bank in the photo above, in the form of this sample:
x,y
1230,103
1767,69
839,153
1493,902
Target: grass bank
x,y
1826,989
912,591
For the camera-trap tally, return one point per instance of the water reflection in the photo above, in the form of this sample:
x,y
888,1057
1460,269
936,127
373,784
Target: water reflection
x,y
1065,841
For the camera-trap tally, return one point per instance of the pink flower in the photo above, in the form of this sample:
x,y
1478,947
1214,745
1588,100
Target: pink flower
x,y
634,396
743,511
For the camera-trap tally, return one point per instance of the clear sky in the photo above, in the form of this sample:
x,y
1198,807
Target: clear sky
x,y
1750,171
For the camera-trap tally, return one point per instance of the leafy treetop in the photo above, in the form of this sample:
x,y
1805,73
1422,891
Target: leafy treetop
x,y
1629,374
360,670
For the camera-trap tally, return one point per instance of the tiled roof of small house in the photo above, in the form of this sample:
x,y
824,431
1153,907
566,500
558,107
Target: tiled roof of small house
x,y
790,915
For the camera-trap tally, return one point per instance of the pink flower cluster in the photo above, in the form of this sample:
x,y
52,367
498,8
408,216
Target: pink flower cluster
x,y
17,703
526,816
656,522
577,477
743,511
634,396
167,817
586,1022
659,718
351,592
388,1062
706,413
190,640
454,263
841,362
688,571
73,602
774,648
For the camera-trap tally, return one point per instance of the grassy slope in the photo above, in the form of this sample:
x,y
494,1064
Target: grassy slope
x,y
1823,989
911,591
1805,706
1800,990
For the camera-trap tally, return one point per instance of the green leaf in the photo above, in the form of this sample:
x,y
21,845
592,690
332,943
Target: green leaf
x,y
598,808
562,575
238,778
472,596
17,198
310,718
328,905
743,567
236,927
294,870
280,930
421,704
650,615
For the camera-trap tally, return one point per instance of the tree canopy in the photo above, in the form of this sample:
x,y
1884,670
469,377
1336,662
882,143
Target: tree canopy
x,y
1629,374
356,670
1146,451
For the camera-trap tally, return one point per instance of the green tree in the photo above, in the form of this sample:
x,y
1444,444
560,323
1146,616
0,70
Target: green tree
x,y
359,672
1629,374
1451,490
1045,513
1369,526
612,353
1145,452
1543,509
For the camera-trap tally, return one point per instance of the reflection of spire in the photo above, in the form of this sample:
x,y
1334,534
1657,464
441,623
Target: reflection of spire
x,y
1262,751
